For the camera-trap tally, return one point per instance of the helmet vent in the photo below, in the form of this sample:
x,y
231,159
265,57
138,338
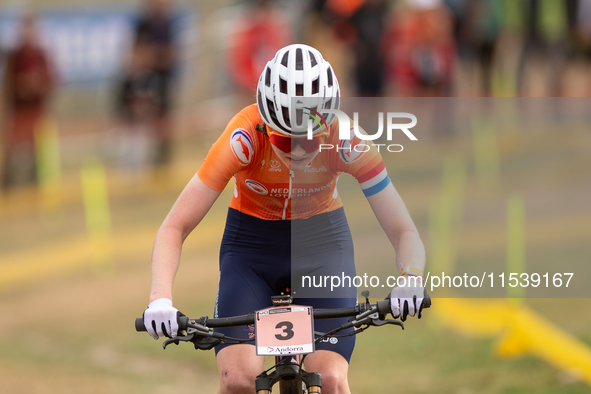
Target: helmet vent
x,y
315,86
312,59
274,119
329,76
260,104
271,110
299,59
285,112
268,77
282,85
284,59
299,89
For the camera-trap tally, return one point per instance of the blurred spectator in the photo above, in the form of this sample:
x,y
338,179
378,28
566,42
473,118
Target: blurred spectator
x,y
480,35
154,33
28,83
369,23
573,10
326,29
259,33
459,12
583,21
545,36
419,49
342,9
139,102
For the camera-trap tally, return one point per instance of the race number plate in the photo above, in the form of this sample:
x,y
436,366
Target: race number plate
x,y
284,330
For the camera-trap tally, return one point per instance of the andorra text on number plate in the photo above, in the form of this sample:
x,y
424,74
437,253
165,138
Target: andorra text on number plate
x,y
284,330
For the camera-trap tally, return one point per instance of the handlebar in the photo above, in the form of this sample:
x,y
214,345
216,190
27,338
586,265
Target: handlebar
x,y
383,308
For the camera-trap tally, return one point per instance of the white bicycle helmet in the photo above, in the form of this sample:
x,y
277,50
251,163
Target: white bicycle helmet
x,y
294,84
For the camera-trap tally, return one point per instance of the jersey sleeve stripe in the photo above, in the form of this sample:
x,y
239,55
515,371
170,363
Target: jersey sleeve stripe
x,y
372,173
375,180
377,187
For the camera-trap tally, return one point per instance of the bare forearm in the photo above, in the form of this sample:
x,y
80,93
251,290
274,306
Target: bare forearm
x,y
409,250
399,227
166,256
187,212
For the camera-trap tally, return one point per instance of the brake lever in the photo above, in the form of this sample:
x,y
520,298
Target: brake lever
x,y
382,322
176,340
375,320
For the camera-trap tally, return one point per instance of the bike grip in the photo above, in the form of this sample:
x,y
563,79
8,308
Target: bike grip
x,y
426,300
384,306
182,320
139,324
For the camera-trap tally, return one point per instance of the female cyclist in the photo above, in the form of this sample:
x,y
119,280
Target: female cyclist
x,y
285,217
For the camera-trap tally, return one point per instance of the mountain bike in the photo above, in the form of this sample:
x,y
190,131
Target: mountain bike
x,y
288,370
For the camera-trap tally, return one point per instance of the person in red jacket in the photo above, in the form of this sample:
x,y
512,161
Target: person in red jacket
x,y
28,83
419,50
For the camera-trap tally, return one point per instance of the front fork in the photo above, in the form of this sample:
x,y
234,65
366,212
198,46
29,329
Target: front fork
x,y
288,375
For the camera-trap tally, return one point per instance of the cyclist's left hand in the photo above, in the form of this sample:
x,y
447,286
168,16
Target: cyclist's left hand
x,y
407,300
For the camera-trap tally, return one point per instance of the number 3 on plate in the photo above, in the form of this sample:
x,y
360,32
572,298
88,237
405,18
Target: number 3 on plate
x,y
284,331
287,330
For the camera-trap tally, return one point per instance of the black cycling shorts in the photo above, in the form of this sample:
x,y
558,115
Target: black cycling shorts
x,y
257,259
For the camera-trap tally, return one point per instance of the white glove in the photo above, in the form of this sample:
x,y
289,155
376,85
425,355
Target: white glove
x,y
407,300
162,315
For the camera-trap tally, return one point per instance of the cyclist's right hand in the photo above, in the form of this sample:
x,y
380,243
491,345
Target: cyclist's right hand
x,y
160,318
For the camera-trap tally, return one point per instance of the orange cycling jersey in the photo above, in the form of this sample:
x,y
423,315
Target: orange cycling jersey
x,y
267,189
